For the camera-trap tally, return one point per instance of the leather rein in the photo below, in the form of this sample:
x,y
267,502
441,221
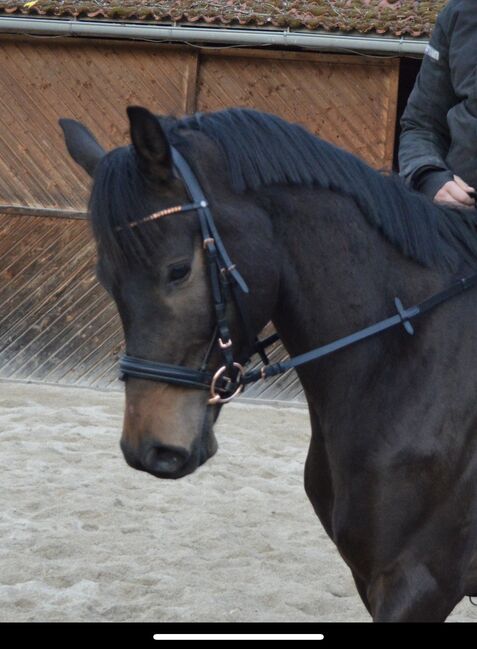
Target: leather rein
x,y
227,284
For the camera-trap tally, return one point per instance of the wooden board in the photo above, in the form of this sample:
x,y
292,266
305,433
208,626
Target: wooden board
x,y
349,101
93,82
56,322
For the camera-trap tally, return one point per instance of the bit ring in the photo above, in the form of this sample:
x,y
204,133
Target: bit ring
x,y
216,398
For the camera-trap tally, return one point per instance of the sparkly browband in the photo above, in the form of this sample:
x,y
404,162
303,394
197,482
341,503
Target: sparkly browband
x,y
165,212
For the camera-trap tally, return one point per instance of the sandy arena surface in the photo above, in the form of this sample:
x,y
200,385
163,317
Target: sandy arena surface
x,y
86,538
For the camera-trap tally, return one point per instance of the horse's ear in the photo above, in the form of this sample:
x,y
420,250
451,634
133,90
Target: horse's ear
x,y
150,143
82,145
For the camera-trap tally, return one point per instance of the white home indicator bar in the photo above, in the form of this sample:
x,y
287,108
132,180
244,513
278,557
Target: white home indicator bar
x,y
238,636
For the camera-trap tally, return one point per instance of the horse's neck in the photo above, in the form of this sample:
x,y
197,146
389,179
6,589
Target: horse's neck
x,y
329,269
339,274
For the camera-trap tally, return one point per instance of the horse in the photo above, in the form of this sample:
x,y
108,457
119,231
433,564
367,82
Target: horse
x,y
324,244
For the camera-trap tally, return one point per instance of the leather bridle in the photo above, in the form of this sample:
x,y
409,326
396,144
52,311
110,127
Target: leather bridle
x,y
228,285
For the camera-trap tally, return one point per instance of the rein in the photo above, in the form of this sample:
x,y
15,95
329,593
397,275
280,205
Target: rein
x,y
403,317
228,284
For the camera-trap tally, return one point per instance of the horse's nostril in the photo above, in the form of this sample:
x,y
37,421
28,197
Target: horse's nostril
x,y
165,460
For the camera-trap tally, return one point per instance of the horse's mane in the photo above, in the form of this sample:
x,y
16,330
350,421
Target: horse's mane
x,y
263,150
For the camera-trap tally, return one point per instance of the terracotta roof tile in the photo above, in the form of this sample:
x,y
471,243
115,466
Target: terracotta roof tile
x,y
394,17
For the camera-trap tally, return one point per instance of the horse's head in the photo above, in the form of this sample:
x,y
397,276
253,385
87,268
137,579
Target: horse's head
x,y
157,274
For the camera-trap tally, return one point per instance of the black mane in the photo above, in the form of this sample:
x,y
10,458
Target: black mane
x,y
264,150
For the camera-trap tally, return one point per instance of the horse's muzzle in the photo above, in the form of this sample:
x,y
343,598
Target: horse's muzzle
x,y
167,462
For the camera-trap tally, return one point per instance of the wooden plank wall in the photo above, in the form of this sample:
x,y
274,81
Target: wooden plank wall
x,y
56,323
347,100
91,82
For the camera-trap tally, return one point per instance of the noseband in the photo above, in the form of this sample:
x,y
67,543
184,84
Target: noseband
x,y
228,285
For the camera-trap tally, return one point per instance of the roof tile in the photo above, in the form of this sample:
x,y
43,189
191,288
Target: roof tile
x,y
394,17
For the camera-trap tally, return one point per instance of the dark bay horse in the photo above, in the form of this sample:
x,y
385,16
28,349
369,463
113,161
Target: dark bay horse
x,y
325,244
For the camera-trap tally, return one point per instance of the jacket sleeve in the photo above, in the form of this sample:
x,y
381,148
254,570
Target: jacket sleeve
x,y
425,140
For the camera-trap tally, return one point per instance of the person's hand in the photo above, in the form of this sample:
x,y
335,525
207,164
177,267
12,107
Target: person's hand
x,y
455,192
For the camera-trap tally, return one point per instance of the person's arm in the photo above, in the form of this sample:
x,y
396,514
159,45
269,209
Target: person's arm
x,y
429,180
424,140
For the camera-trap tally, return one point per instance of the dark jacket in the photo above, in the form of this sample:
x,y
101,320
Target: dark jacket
x,y
439,125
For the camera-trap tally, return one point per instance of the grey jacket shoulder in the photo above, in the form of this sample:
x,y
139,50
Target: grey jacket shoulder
x,y
442,109
451,10
446,18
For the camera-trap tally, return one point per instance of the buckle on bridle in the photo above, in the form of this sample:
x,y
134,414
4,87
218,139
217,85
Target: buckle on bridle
x,y
216,398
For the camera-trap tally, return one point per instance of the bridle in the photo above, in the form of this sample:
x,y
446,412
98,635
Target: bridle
x,y
227,286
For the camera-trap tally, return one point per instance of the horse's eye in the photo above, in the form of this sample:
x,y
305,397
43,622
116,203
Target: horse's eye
x,y
177,273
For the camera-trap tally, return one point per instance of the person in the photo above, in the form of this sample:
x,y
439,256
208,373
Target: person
x,y
438,141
